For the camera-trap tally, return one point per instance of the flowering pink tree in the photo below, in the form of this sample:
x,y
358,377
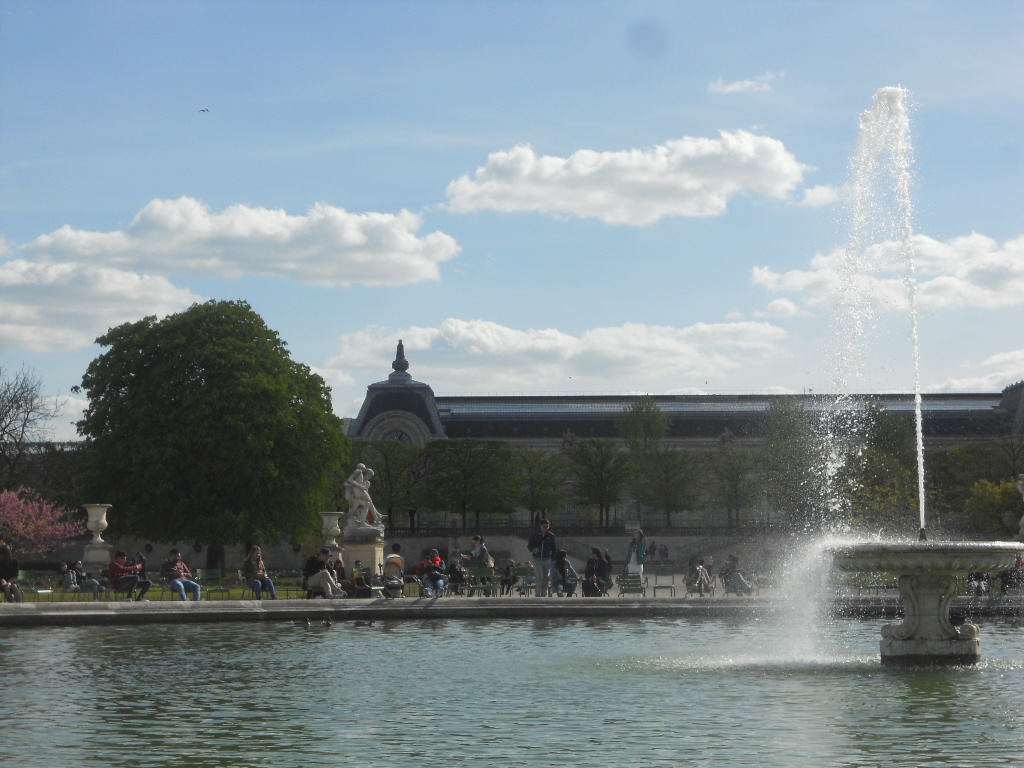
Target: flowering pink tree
x,y
29,523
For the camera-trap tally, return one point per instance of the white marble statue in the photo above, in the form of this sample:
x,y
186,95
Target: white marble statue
x,y
362,514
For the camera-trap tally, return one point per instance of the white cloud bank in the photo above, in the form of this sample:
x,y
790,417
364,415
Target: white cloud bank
x,y
683,177
483,356
61,307
969,271
753,85
328,246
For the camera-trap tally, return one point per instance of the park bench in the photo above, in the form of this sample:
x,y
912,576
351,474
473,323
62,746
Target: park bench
x,y
631,584
481,581
526,580
664,579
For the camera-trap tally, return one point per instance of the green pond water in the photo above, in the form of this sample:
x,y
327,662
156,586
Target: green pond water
x,y
655,692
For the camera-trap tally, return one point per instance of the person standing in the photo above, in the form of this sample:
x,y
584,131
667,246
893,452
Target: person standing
x,y
542,546
636,553
255,574
178,577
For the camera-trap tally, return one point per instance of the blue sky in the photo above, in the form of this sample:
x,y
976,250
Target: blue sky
x,y
561,197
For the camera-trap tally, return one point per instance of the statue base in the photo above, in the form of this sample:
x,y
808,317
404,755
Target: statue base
x,y
96,556
368,550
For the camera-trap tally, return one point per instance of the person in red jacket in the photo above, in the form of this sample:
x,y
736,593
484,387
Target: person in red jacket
x,y
128,578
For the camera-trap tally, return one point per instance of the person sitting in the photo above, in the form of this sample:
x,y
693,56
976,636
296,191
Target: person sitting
x,y
509,578
341,576
563,576
457,578
74,578
255,574
320,575
362,581
431,573
178,577
596,575
697,577
733,578
978,583
1012,578
9,575
128,578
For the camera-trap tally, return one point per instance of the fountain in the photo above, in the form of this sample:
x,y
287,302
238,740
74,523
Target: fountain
x,y
927,570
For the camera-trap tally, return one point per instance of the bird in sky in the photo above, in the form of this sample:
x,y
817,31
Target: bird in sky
x,y
204,110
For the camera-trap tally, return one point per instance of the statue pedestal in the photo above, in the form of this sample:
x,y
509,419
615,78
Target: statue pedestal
x,y
370,550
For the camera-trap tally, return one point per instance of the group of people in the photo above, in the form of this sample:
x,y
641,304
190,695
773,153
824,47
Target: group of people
x,y
132,578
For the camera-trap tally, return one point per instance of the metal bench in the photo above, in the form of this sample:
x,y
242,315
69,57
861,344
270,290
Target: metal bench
x,y
631,584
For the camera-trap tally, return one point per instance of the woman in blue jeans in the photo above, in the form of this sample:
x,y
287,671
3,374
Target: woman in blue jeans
x,y
255,574
563,576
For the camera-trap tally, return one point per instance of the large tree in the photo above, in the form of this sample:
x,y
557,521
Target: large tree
x,y
398,479
201,428
600,471
467,475
542,480
25,416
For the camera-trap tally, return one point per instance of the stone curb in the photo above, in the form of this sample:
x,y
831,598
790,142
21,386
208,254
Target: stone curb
x,y
40,614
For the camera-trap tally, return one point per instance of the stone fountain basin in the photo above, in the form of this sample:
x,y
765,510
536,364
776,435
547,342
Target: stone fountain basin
x,y
926,556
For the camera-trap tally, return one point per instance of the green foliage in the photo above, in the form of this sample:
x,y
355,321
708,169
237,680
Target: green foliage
x,y
665,480
953,472
542,479
467,475
200,427
790,465
643,425
731,481
599,473
399,474
995,508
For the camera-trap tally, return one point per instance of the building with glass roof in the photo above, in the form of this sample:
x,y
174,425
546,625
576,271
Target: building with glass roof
x,y
404,409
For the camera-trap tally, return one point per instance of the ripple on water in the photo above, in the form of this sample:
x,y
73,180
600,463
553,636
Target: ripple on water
x,y
501,693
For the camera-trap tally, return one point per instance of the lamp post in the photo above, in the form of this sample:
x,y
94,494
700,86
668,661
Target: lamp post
x,y
97,552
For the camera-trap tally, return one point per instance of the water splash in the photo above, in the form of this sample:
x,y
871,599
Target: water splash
x,y
881,228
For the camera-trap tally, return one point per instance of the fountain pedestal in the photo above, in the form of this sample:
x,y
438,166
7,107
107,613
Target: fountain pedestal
x,y
927,583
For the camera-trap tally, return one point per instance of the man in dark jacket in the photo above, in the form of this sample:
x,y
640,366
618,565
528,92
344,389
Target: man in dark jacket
x,y
320,575
542,547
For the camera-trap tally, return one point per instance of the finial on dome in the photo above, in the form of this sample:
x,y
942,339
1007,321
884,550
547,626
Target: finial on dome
x,y
400,363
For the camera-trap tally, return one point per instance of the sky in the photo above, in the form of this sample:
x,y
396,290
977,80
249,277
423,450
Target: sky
x,y
536,197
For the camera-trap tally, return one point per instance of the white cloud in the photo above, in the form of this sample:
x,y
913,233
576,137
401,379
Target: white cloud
x,y
59,307
821,195
781,308
327,246
1005,368
970,271
483,356
683,177
759,83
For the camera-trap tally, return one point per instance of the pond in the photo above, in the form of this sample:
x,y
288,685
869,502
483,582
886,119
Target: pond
x,y
653,692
